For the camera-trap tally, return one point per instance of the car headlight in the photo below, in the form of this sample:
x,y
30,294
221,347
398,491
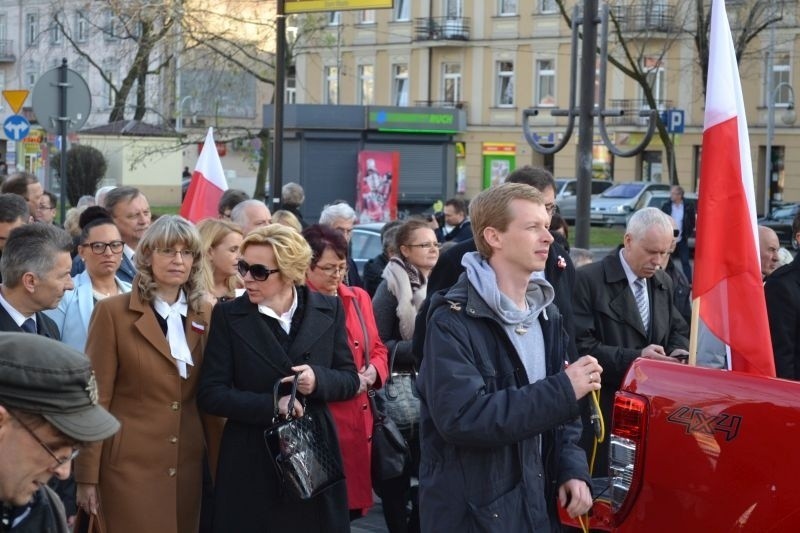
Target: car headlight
x,y
623,208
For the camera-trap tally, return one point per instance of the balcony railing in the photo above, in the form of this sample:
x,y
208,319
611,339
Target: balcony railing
x,y
643,18
441,103
7,51
631,109
441,29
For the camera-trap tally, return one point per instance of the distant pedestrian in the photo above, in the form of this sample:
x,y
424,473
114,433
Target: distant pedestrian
x,y
685,216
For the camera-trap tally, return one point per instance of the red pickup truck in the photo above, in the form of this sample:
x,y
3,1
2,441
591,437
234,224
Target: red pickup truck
x,y
701,450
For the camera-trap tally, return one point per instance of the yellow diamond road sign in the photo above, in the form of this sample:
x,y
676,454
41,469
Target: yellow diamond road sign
x,y
15,99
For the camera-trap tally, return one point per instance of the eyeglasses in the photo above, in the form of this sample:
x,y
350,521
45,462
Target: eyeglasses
x,y
333,270
551,208
45,207
185,254
258,272
60,461
99,247
426,245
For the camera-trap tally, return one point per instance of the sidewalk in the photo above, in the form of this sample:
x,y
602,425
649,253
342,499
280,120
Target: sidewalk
x,y
372,523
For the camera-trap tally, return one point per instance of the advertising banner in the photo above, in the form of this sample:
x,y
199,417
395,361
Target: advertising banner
x,y
376,186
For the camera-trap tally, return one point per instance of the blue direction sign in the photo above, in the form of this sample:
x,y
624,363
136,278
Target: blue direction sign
x,y
16,127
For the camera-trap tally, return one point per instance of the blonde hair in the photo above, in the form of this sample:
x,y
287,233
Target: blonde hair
x,y
292,252
491,209
166,232
288,219
72,218
212,232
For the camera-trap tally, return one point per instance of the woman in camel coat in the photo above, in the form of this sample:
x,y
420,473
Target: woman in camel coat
x,y
149,476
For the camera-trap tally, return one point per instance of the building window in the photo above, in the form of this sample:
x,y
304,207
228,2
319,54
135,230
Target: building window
x,y
781,74
400,85
545,82
31,75
55,31
508,7
108,87
451,83
454,9
402,9
655,73
366,85
505,84
334,18
366,16
547,6
81,28
31,28
290,91
110,30
331,94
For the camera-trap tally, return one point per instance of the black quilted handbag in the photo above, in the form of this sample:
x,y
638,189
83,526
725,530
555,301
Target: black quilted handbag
x,y
298,449
399,400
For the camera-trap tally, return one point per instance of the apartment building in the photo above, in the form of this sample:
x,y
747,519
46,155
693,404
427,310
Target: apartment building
x,y
493,59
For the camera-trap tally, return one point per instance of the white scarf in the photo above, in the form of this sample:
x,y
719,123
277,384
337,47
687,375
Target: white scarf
x,y
176,336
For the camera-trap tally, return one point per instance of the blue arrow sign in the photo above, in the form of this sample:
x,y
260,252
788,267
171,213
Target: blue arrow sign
x,y
16,127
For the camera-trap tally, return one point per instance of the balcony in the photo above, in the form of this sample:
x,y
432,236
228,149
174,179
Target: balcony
x,y
657,18
449,104
631,109
441,29
7,51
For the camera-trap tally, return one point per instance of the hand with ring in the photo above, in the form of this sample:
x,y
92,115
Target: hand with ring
x,y
584,375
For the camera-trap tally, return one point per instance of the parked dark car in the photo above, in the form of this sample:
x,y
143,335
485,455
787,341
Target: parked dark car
x,y
566,190
781,220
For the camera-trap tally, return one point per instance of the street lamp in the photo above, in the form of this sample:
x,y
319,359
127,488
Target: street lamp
x,y
788,118
179,122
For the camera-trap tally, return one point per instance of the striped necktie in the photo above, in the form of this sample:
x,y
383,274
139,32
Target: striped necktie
x,y
641,301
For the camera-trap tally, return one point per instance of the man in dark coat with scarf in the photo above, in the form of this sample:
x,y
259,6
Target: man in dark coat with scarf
x,y
499,412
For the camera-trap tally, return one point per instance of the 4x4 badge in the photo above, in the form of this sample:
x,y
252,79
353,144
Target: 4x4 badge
x,y
697,421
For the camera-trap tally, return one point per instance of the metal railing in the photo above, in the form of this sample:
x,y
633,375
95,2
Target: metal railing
x,y
441,29
641,18
459,104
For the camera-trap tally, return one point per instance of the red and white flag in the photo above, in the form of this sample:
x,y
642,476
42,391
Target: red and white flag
x,y
208,184
727,277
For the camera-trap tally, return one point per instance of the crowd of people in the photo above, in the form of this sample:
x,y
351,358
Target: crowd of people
x,y
179,335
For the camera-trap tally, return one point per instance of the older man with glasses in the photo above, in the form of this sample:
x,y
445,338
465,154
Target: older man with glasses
x,y
48,411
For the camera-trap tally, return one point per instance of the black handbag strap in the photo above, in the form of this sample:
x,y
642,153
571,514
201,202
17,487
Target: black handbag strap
x,y
292,398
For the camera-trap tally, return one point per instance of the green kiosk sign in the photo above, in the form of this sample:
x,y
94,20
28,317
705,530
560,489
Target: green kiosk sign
x,y
412,120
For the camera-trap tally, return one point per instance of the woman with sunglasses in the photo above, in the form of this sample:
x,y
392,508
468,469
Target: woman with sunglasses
x,y
276,330
396,302
353,417
146,348
100,250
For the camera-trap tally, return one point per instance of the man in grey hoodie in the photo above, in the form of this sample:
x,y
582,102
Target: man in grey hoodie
x,y
499,411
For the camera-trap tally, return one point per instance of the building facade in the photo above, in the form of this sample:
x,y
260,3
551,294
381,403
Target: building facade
x,y
496,58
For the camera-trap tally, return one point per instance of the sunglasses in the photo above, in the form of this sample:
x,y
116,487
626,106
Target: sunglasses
x,y
258,272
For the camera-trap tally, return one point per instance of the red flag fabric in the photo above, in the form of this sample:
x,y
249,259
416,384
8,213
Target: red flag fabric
x,y
208,184
727,277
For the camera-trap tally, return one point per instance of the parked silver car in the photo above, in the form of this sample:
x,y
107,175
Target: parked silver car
x,y
614,205
566,190
365,243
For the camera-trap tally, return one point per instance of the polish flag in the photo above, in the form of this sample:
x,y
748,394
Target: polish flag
x,y
208,184
727,278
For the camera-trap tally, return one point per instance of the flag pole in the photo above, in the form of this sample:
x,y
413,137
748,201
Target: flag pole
x,y
693,329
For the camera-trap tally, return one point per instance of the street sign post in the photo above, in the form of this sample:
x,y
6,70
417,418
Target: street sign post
x,y
673,119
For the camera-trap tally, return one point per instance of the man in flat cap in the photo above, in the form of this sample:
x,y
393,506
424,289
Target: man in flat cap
x,y
48,411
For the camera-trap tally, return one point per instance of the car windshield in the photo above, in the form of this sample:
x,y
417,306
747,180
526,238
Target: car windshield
x,y
623,190
560,182
785,212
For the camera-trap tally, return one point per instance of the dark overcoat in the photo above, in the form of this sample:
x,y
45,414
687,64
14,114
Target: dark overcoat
x,y
243,360
782,290
608,325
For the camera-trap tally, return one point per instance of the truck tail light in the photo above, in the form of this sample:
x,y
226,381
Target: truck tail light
x,y
626,448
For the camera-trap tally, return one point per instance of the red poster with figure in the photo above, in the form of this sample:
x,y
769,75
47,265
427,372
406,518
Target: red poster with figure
x,y
376,186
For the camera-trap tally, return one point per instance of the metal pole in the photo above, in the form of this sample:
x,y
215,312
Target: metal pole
x,y
280,67
770,122
62,133
583,158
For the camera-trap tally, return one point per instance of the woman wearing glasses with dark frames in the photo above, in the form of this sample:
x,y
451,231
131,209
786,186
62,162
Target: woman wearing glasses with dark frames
x,y
277,329
100,250
353,419
146,348
396,302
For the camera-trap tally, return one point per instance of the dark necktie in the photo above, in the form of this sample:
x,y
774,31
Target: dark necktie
x,y
29,326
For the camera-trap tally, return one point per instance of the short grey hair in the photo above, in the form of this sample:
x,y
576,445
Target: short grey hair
x,y
32,248
644,219
100,195
118,195
340,211
292,194
237,213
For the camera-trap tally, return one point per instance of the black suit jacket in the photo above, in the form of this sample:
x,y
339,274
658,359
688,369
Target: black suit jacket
x,y
782,291
689,218
608,326
44,324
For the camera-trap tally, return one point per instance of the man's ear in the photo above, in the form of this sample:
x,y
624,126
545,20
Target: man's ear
x,y
492,236
5,417
29,281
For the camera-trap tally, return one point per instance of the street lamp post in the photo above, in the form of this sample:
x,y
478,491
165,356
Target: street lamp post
x,y
788,118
